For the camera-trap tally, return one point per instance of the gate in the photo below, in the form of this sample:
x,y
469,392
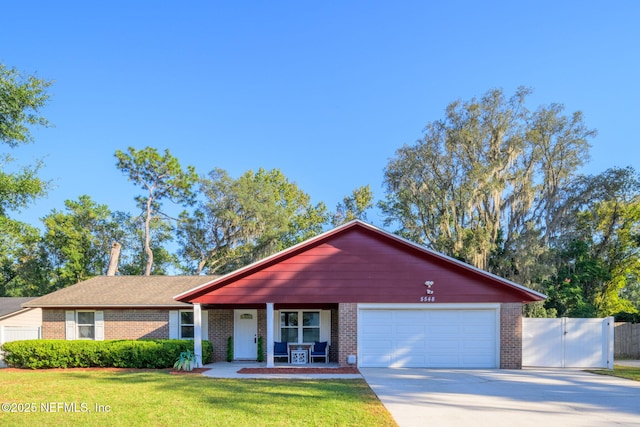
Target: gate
x,y
567,343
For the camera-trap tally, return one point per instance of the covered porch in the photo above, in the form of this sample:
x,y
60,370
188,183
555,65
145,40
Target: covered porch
x,y
260,332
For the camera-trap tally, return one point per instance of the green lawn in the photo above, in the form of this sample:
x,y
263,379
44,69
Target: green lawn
x,y
156,398
621,371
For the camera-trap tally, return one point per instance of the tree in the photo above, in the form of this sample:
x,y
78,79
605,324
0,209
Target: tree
x,y
24,268
482,183
353,206
162,177
596,257
245,219
133,260
22,97
78,241
610,227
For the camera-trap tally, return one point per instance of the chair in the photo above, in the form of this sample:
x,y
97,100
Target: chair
x,y
320,349
280,349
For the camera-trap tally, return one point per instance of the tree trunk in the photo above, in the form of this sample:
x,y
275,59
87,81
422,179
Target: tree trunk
x,y
115,257
147,238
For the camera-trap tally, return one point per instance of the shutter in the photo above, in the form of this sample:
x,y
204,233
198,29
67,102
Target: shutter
x,y
325,326
99,325
174,324
70,325
204,326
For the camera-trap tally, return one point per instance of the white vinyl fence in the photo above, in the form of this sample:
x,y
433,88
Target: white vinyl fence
x,y
17,333
568,343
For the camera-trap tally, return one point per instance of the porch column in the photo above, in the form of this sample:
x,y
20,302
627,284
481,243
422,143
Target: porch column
x,y
270,335
197,334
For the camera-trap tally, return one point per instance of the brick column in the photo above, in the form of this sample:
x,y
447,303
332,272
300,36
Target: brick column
x,y
511,336
348,332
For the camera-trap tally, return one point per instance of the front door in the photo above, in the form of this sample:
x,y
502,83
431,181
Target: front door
x,y
245,340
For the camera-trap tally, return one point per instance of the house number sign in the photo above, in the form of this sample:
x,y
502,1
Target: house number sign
x,y
430,293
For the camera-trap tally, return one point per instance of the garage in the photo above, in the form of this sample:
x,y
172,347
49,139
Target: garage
x,y
466,336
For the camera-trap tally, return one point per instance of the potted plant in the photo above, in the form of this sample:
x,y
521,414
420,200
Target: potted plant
x,y
185,362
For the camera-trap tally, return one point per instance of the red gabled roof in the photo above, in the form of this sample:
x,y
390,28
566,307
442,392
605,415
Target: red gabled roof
x,y
358,262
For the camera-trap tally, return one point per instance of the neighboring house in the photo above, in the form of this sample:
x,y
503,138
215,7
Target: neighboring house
x,y
119,307
17,322
377,299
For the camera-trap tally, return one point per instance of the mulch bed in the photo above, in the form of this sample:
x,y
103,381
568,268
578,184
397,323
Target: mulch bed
x,y
348,370
299,371
79,369
171,371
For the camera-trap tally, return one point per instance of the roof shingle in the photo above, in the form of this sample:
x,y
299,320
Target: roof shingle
x,y
10,305
122,291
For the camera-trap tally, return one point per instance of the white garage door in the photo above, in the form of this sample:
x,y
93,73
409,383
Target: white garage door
x,y
428,338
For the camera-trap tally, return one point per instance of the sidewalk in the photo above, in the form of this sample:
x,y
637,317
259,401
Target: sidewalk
x,y
626,362
230,370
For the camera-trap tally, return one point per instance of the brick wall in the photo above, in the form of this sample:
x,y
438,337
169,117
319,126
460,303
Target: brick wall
x,y
135,324
220,329
348,333
335,337
53,324
511,336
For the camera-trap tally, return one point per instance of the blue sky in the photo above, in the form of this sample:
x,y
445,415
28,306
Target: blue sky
x,y
324,91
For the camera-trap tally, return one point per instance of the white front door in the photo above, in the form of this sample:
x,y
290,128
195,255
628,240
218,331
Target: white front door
x,y
245,339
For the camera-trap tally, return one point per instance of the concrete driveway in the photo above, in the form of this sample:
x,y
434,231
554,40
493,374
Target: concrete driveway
x,y
540,398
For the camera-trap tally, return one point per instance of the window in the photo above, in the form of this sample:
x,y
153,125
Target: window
x,y
86,325
186,324
289,326
310,326
291,330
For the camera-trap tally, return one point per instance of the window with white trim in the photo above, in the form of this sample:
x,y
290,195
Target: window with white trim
x,y
86,325
186,324
294,330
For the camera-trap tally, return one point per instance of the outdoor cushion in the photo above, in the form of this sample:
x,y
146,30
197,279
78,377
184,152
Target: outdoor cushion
x,y
280,347
319,347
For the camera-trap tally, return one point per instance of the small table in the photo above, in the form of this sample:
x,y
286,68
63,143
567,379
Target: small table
x,y
298,356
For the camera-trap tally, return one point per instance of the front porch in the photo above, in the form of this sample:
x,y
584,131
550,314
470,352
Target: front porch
x,y
241,331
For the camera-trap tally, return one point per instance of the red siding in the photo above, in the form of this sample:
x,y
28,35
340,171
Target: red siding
x,y
359,266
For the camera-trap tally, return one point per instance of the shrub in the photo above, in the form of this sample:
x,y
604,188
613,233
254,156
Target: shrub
x,y
260,350
154,354
627,317
230,349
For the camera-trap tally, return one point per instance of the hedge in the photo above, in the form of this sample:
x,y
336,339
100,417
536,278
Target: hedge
x,y
153,354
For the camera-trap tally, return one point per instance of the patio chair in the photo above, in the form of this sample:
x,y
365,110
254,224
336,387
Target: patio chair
x,y
320,349
280,349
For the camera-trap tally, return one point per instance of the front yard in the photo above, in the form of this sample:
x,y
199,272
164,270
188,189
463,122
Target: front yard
x,y
621,371
132,398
